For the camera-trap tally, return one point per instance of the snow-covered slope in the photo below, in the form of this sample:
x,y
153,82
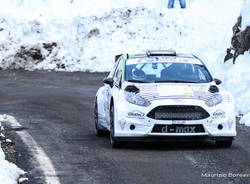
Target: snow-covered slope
x,y
88,35
83,35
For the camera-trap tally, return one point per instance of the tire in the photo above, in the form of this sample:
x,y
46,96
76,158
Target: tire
x,y
114,143
224,144
98,132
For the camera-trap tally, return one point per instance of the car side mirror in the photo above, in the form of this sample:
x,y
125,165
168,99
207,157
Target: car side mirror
x,y
217,81
108,81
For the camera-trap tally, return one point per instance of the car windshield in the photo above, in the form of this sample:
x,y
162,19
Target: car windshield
x,y
167,72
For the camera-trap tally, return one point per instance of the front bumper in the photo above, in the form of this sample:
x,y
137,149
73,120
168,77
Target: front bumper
x,y
139,126
136,128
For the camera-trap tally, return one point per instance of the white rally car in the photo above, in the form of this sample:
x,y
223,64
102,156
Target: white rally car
x,y
163,96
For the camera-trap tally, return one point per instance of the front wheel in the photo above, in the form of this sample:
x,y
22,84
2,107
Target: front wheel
x,y
225,143
114,143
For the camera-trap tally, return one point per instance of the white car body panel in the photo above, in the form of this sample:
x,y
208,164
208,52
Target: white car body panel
x,y
162,94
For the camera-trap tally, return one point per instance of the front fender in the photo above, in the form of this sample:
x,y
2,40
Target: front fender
x,y
100,100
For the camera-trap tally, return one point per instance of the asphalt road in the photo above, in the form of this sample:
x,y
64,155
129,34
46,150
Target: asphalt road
x,y
56,110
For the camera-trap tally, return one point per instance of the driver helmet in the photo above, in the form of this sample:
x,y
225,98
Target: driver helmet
x,y
138,74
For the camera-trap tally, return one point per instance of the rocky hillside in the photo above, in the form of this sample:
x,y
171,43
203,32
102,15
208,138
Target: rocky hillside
x,y
240,42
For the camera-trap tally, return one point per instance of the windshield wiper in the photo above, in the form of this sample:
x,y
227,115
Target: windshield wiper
x,y
174,81
138,81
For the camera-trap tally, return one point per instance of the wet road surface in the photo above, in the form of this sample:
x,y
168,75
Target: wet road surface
x,y
55,111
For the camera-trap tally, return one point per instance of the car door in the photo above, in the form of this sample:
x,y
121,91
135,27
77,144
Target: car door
x,y
108,90
117,78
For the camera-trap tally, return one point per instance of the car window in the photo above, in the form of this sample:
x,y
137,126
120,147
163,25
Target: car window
x,y
168,72
112,72
151,69
118,73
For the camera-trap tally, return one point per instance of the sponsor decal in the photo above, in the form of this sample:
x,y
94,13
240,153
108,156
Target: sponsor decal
x,y
136,114
227,99
230,123
185,129
177,100
188,94
190,129
163,59
122,123
164,129
219,114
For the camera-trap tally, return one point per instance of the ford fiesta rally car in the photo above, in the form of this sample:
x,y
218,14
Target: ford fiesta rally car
x,y
162,96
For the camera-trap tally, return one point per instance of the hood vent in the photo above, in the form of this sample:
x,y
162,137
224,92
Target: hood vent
x,y
132,89
213,89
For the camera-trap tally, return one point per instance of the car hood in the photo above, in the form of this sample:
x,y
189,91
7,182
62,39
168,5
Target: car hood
x,y
157,91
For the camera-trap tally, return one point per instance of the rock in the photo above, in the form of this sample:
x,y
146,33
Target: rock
x,y
49,46
26,52
229,55
240,41
93,32
27,56
22,180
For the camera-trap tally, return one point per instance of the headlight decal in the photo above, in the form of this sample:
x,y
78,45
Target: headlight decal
x,y
136,99
214,100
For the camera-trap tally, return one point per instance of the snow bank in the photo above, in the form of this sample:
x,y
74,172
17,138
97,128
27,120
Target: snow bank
x,y
237,81
245,119
87,34
9,172
245,14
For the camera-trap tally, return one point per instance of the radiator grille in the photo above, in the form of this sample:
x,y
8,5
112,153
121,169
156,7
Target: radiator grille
x,y
178,112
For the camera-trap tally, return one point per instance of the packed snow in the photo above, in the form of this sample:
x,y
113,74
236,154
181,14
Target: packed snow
x,y
245,14
245,119
81,35
9,172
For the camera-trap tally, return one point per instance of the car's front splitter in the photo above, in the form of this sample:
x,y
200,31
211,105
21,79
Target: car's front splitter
x,y
173,138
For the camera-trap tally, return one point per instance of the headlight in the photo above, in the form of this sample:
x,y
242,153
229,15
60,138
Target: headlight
x,y
136,99
214,100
